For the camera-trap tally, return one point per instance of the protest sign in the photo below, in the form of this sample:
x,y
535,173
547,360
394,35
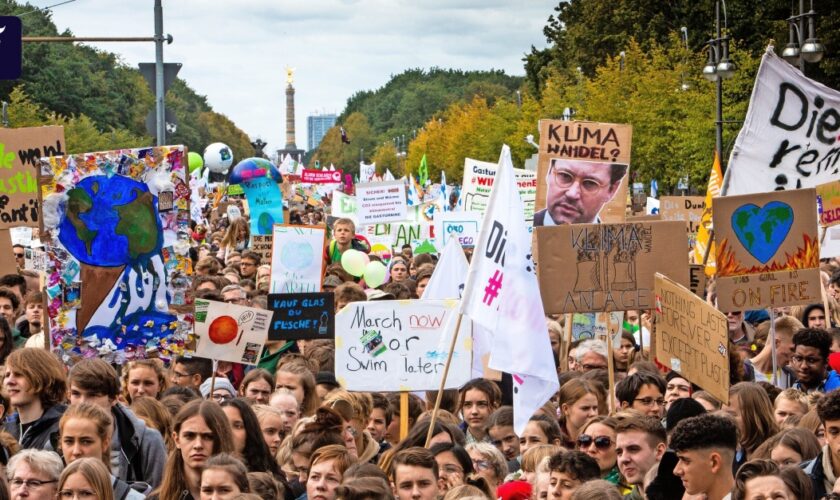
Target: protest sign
x,y
380,202
20,152
691,337
594,157
260,181
828,203
321,176
7,265
21,236
596,325
117,235
607,267
343,205
685,208
302,316
261,244
697,280
366,172
463,226
395,235
228,332
830,244
396,346
297,259
478,184
789,137
767,250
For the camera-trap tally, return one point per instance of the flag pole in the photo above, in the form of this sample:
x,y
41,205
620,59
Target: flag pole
x,y
565,346
443,380
773,345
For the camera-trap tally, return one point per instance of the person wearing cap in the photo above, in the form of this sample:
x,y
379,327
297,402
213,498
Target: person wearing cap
x,y
222,389
325,382
330,282
682,409
376,294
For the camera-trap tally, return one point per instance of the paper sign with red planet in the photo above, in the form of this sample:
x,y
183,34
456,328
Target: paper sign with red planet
x,y
228,332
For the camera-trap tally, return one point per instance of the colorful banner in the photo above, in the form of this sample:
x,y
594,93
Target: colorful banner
x,y
389,346
20,152
228,332
705,245
298,316
380,202
478,184
321,176
789,137
265,204
297,259
828,203
118,225
768,250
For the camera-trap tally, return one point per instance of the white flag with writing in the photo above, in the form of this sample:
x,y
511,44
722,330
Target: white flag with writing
x,y
502,294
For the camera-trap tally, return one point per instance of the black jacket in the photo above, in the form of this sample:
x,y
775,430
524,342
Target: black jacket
x,y
814,470
42,434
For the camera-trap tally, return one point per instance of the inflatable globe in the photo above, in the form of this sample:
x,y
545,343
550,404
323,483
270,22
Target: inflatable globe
x,y
218,157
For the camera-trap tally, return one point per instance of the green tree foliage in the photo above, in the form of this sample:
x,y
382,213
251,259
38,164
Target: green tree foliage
x,y
94,92
346,156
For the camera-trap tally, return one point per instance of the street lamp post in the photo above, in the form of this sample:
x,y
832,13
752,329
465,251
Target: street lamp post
x,y
798,51
718,68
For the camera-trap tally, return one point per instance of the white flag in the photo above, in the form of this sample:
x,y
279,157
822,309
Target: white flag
x,y
388,175
503,295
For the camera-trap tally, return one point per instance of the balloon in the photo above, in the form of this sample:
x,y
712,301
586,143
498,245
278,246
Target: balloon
x,y
353,261
375,274
218,157
195,161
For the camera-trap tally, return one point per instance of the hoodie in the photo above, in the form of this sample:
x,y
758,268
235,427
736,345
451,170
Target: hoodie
x,y
42,434
138,454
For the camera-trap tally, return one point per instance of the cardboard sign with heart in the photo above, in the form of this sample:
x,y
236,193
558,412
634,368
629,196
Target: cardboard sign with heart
x,y
768,250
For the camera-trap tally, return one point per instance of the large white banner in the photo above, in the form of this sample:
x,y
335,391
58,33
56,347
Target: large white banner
x,y
379,202
789,138
297,259
478,184
394,346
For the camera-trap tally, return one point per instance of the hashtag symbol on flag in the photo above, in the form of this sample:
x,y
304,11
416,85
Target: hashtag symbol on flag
x,y
494,284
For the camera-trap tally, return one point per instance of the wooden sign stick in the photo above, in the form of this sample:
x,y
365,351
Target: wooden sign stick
x,y
443,380
610,364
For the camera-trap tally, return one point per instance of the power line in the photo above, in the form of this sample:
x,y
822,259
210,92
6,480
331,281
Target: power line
x,y
45,8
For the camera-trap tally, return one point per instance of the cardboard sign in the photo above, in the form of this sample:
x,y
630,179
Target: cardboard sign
x,y
478,184
596,325
380,202
261,244
463,226
691,337
828,203
607,267
302,316
585,152
830,244
321,176
20,152
297,259
684,208
397,346
767,250
789,137
697,280
8,264
228,332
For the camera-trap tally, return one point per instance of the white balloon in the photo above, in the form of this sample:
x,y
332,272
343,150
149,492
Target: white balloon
x,y
218,157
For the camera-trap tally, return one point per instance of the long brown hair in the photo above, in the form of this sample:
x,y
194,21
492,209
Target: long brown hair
x,y
232,234
44,372
307,381
756,413
174,478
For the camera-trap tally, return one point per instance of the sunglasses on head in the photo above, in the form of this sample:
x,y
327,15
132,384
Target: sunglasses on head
x,y
601,442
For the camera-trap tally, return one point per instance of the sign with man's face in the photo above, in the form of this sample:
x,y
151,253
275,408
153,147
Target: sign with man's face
x,y
582,172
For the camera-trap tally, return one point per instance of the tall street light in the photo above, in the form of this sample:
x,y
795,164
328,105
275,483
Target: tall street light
x,y
718,68
798,51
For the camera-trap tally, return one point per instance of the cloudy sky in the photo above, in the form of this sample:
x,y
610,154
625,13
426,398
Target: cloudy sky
x,y
235,51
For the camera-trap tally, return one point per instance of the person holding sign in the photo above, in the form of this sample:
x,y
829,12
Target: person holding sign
x,y
578,190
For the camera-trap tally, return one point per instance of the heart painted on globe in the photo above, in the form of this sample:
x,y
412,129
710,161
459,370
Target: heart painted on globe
x,y
762,230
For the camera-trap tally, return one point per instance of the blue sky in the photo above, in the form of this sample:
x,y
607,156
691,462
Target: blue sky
x,y
235,52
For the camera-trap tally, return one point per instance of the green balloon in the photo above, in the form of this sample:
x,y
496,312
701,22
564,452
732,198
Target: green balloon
x,y
195,161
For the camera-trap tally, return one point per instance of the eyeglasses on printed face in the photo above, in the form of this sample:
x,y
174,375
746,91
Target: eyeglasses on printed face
x,y
601,442
565,179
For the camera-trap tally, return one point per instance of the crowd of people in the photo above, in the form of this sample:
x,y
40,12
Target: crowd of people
x,y
185,428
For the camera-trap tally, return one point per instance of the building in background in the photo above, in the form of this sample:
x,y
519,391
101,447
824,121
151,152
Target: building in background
x,y
317,126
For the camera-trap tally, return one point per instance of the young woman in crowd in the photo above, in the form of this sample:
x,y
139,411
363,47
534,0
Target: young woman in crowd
x,y
624,353
201,431
597,439
327,428
85,431
789,447
271,426
811,422
296,377
143,377
327,471
478,398
750,406
398,270
248,441
789,402
85,478
540,429
155,415
223,477
579,401
257,386
235,239
764,479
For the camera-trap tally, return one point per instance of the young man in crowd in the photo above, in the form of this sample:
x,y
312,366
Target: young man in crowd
x,y
248,265
344,238
9,303
415,475
828,460
811,347
36,386
705,446
762,363
190,371
643,392
639,445
138,453
568,470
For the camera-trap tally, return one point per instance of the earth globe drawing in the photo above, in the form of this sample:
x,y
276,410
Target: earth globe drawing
x,y
265,223
762,230
297,256
111,221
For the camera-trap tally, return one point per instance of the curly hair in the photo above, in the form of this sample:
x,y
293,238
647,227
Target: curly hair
x,y
829,407
705,431
816,338
576,464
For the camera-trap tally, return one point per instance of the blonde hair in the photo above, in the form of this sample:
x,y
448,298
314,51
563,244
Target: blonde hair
x,y
358,405
155,364
794,395
94,472
101,420
536,454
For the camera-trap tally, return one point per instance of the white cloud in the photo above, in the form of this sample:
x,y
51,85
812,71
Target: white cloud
x,y
235,52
